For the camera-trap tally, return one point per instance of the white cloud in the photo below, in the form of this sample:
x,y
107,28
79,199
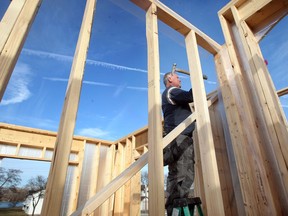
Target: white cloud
x,y
60,57
284,101
43,54
93,132
86,82
55,79
138,88
17,90
113,66
211,82
119,90
98,83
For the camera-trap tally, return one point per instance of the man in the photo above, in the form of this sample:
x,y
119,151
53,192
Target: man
x,y
179,154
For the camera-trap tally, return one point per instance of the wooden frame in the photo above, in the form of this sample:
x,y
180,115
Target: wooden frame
x,y
241,148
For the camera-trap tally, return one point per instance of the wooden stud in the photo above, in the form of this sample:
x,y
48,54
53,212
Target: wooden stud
x,y
155,165
119,167
8,21
225,177
77,178
15,42
107,177
135,195
127,174
57,175
214,201
238,138
198,180
127,186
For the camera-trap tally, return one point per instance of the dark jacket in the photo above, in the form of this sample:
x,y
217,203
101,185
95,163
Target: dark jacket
x,y
175,107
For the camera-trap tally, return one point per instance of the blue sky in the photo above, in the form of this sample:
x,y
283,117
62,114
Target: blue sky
x,y
114,93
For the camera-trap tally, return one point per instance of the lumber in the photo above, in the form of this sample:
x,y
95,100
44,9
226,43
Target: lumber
x,y
155,158
135,195
77,180
8,21
211,180
238,137
15,42
273,116
104,193
119,167
127,186
58,169
249,8
178,23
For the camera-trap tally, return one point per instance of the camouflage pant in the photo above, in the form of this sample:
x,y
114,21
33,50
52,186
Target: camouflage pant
x,y
179,156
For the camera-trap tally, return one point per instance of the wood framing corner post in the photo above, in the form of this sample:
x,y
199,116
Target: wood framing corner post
x,y
155,158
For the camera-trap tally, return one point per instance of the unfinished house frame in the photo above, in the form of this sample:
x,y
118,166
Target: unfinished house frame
x,y
241,139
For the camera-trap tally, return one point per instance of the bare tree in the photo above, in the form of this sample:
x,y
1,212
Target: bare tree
x,y
15,195
144,178
9,179
36,188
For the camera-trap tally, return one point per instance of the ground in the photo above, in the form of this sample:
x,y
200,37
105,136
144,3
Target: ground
x,y
12,212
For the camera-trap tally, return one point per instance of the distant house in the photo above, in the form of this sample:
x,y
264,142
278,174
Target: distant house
x,y
28,203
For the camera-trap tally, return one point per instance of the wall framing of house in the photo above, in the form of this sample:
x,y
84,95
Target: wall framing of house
x,y
242,136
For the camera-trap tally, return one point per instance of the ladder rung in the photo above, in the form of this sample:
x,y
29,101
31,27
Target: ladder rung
x,y
182,204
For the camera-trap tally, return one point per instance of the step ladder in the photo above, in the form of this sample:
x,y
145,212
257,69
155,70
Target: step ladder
x,y
186,206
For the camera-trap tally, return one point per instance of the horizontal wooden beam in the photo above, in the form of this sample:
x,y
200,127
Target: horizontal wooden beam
x,y
36,131
258,14
74,163
249,8
179,24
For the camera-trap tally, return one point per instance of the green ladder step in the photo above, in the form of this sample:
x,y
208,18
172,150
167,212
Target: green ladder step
x,y
187,206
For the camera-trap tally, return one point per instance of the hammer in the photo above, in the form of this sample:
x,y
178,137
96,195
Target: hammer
x,y
174,69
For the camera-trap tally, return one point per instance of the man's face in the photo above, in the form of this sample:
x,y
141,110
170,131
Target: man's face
x,y
174,81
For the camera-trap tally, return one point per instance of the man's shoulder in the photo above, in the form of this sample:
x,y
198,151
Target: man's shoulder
x,y
169,89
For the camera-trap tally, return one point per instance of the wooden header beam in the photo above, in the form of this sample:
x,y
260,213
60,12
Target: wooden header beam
x,y
260,16
181,25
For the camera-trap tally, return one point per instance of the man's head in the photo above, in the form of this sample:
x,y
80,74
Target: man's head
x,y
171,79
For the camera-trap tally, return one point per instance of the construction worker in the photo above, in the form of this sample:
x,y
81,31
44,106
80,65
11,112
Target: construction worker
x,y
179,154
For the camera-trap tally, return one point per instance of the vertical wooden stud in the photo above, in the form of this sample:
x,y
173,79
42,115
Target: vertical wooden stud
x,y
119,167
135,196
214,201
155,158
77,179
127,186
58,169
